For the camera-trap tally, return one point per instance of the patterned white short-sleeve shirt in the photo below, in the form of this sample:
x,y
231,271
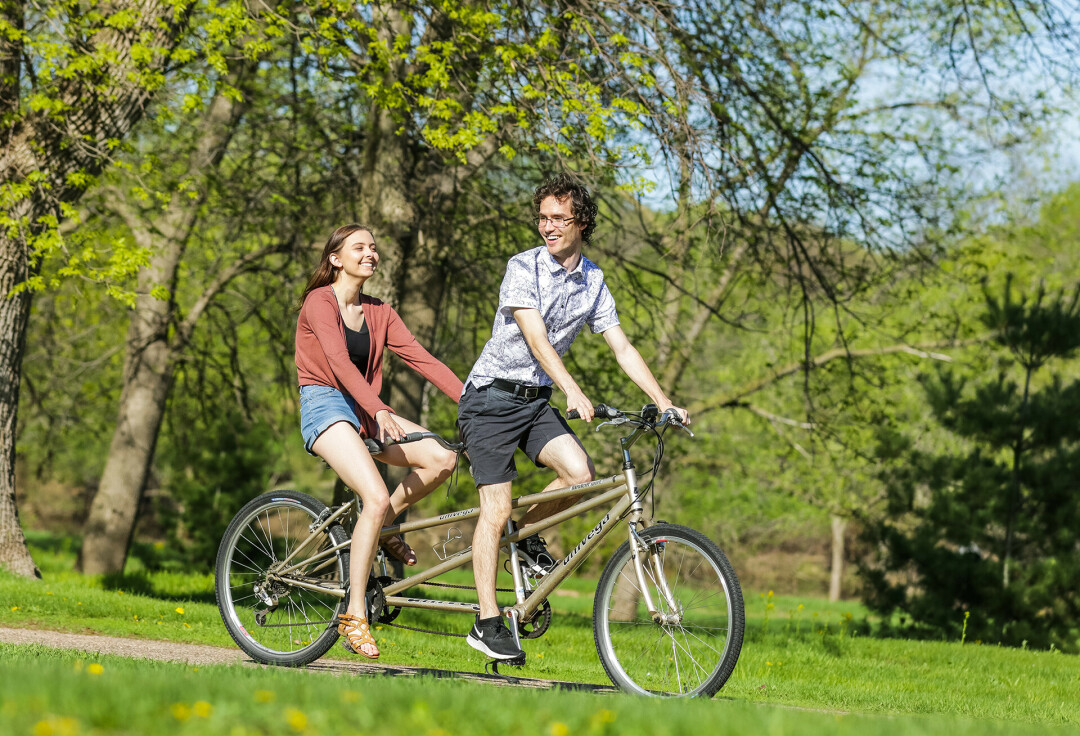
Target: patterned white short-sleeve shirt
x,y
567,301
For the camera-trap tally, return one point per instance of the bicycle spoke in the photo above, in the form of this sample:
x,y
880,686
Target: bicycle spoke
x,y
691,651
266,532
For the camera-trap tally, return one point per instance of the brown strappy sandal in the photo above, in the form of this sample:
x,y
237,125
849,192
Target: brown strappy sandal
x,y
399,550
358,633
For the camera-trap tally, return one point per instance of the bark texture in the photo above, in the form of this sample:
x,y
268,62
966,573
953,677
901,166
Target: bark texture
x,y
836,567
153,347
44,149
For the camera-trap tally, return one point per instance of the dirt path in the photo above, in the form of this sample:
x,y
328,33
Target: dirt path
x,y
200,654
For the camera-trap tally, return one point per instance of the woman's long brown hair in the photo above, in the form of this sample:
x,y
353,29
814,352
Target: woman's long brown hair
x,y
324,273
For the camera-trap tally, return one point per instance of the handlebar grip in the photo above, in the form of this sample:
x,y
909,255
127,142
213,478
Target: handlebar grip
x,y
374,447
600,410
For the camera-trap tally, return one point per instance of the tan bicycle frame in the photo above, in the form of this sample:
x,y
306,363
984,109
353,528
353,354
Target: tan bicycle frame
x,y
613,489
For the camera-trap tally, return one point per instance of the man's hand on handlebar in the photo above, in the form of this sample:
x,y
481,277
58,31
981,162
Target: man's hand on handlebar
x,y
681,414
578,406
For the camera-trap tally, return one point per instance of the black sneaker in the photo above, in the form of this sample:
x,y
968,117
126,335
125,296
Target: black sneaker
x,y
490,636
535,559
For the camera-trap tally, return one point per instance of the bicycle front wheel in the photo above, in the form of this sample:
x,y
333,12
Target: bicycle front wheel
x,y
271,619
687,646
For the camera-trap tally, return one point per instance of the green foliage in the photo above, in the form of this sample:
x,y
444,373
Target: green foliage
x,y
987,530
212,466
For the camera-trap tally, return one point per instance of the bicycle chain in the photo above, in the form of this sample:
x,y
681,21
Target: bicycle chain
x,y
400,626
432,631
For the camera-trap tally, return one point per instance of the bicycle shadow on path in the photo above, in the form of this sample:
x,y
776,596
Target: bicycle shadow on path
x,y
367,669
202,654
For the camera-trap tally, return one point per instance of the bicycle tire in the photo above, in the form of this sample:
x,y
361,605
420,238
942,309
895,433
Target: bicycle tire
x,y
694,652
299,629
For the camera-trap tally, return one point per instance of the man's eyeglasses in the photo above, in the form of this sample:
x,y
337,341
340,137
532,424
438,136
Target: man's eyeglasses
x,y
558,222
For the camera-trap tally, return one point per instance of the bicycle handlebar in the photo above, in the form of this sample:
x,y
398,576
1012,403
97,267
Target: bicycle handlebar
x,y
647,415
375,447
603,411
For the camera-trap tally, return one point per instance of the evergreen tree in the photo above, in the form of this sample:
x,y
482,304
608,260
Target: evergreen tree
x,y
983,533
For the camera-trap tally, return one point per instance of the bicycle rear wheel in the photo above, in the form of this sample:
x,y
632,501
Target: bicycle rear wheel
x,y
691,645
273,621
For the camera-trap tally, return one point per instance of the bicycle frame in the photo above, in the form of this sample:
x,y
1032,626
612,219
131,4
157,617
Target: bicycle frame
x,y
622,489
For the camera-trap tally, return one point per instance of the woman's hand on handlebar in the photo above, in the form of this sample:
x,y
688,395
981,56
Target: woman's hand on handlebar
x,y
388,428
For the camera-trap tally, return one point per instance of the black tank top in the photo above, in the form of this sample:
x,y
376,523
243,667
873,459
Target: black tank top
x,y
359,344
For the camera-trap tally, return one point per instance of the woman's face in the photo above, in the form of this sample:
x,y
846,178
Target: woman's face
x,y
358,257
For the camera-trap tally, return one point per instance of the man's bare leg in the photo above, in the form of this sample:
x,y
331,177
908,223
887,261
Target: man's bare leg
x,y
568,459
494,512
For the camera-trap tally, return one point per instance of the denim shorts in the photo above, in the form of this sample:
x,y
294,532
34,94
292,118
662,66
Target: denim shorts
x,y
493,423
321,407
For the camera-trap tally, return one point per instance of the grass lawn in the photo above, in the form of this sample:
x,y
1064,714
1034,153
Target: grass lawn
x,y
802,654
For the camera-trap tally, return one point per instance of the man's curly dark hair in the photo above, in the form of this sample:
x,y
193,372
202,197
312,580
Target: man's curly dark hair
x,y
561,186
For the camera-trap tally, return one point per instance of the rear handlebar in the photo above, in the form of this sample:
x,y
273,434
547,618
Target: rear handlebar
x,y
375,447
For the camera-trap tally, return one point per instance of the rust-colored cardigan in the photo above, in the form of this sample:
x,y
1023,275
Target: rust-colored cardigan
x,y
322,359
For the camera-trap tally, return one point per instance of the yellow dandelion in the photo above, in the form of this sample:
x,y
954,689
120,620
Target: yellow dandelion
x,y
95,669
604,716
296,719
558,728
768,664
180,611
265,696
187,625
202,709
14,608
56,727
180,711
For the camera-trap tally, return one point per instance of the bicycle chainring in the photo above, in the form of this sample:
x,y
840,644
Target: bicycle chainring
x,y
374,598
535,628
382,613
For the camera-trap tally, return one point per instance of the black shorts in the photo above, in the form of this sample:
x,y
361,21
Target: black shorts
x,y
494,422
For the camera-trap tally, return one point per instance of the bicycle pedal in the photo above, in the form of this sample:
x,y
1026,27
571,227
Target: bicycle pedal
x,y
492,666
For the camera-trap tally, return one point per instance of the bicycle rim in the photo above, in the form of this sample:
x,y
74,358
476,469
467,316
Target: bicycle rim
x,y
296,627
693,650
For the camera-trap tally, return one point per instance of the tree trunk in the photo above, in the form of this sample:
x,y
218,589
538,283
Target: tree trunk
x,y
836,569
14,312
147,377
101,106
150,356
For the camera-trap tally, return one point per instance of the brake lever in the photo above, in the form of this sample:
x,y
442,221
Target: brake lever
x,y
614,422
671,418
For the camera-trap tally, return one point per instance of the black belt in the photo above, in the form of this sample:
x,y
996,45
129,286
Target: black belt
x,y
521,389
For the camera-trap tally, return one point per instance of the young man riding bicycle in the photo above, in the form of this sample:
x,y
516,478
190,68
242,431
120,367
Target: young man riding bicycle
x,y
547,296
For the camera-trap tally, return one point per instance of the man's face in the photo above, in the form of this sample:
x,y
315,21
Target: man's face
x,y
563,240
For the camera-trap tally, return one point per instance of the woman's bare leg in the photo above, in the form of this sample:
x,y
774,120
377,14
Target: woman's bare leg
x,y
343,449
432,464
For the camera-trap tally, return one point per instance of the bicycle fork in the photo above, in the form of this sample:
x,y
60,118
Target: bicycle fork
x,y
644,555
